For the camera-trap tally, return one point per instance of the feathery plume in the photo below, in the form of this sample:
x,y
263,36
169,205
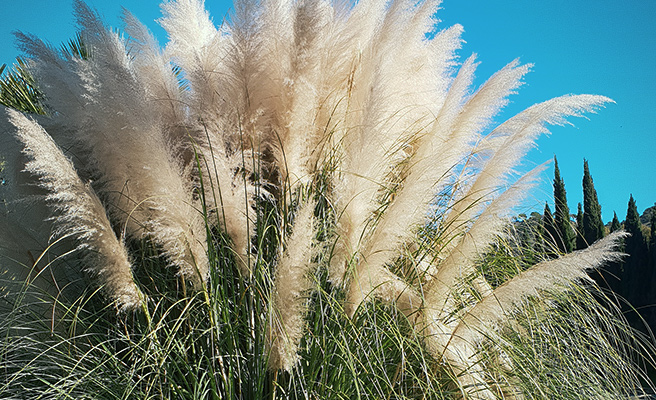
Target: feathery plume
x,y
158,75
127,153
292,285
507,144
197,47
460,262
80,213
229,196
458,341
547,275
409,207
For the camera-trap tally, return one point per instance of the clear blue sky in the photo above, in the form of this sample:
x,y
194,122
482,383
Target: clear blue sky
x,y
578,46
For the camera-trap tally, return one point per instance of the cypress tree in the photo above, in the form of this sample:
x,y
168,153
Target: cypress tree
x,y
615,224
593,227
635,244
652,247
652,237
636,267
561,213
651,293
611,276
632,224
580,241
549,231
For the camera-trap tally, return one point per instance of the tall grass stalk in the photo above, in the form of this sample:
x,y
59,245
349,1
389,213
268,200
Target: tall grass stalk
x,y
308,201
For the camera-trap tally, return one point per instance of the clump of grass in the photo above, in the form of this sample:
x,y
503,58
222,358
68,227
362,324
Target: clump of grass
x,y
296,217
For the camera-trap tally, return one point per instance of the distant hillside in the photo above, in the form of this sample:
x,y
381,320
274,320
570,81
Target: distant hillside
x,y
645,218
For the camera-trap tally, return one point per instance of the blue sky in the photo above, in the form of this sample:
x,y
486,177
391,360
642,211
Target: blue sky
x,y
578,46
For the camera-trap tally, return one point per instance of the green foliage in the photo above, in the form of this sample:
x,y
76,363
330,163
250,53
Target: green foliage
x,y
632,224
593,227
635,244
75,48
211,344
580,239
566,235
19,91
652,234
594,336
636,269
550,233
615,223
523,247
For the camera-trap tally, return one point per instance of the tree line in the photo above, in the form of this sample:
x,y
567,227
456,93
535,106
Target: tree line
x,y
630,281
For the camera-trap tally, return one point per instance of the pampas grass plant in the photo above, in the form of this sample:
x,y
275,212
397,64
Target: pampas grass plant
x,y
304,202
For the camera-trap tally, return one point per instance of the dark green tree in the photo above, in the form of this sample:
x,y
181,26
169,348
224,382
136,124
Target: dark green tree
x,y
652,238
549,232
610,276
650,295
566,235
593,227
580,240
633,226
615,224
652,247
637,273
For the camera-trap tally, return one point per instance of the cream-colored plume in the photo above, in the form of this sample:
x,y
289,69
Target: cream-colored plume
x,y
498,307
79,213
126,150
293,282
